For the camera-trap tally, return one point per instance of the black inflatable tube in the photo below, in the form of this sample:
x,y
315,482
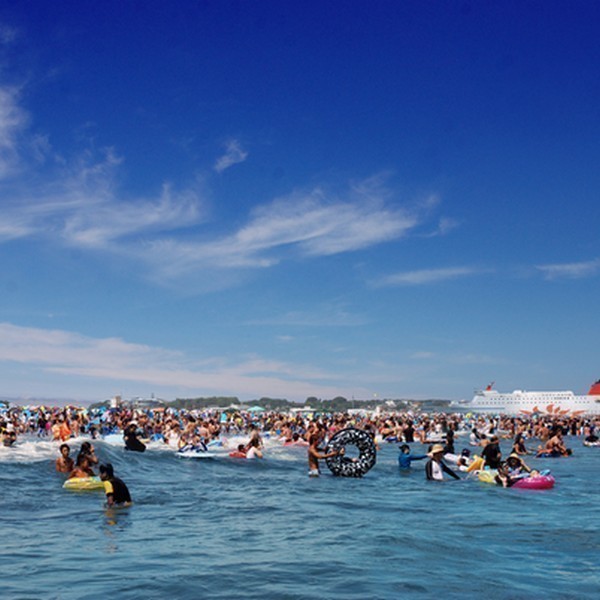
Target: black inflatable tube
x,y
343,466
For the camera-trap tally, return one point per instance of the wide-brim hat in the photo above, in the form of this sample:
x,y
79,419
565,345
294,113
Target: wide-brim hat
x,y
436,449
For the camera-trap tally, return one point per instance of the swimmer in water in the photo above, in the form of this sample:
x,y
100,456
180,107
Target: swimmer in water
x,y
132,442
9,438
516,466
8,435
116,491
64,463
315,455
88,450
83,468
253,449
405,457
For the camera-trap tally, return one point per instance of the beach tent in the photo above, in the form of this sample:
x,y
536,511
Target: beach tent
x,y
256,409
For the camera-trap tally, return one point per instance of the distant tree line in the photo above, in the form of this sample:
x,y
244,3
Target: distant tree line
x,y
337,404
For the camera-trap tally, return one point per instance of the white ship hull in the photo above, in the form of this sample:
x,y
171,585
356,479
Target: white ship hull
x,y
519,402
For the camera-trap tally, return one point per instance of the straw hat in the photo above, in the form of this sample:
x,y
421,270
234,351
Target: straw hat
x,y
436,449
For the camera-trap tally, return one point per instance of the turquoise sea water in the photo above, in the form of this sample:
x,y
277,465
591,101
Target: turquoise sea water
x,y
227,528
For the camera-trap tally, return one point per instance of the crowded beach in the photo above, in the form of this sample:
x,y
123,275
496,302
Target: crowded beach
x,y
453,442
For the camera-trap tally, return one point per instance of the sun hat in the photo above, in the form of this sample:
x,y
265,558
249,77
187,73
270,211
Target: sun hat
x,y
436,449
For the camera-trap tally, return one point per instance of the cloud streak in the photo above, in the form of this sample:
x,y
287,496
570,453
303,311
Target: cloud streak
x,y
81,206
578,270
308,225
234,154
425,276
113,360
12,121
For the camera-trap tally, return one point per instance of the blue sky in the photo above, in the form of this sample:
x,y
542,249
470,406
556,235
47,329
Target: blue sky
x,y
286,199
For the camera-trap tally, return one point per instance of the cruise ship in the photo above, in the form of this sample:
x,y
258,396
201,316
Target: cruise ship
x,y
521,402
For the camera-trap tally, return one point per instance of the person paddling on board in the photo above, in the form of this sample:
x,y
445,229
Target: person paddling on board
x,y
116,491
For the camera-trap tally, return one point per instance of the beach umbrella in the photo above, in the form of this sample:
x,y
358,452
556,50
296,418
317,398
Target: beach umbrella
x,y
256,409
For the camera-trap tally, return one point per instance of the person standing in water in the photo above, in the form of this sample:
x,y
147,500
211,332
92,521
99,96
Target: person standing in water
x,y
435,467
64,463
406,457
315,455
132,442
116,491
491,454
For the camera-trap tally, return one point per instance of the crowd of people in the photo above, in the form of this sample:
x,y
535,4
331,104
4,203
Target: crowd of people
x,y
187,430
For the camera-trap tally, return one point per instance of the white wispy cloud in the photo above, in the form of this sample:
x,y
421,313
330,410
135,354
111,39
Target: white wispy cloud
x,y
234,154
444,226
80,204
308,224
425,276
320,317
12,122
578,270
77,201
112,360
422,355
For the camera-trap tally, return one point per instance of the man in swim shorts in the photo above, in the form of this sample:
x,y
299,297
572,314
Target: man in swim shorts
x,y
116,491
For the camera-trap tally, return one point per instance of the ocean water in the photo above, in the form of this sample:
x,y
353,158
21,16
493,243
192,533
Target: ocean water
x,y
227,528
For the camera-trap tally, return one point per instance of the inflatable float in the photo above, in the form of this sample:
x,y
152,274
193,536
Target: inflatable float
x,y
195,454
536,482
344,466
487,476
237,454
532,482
550,455
476,465
83,484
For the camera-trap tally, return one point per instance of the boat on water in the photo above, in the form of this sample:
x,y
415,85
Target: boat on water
x,y
520,402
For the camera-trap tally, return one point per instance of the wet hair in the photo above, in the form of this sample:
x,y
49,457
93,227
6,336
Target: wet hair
x,y
107,470
86,448
82,457
404,447
65,446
